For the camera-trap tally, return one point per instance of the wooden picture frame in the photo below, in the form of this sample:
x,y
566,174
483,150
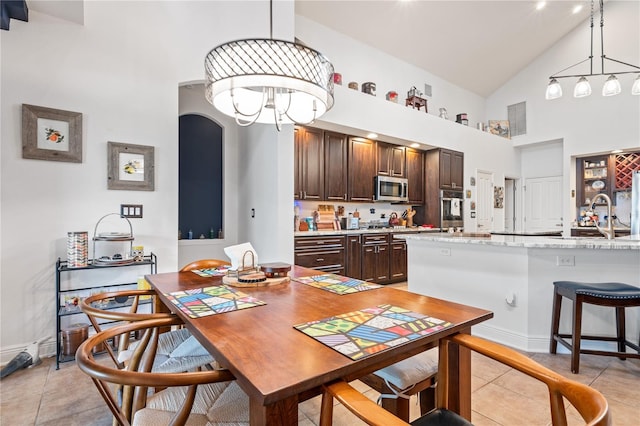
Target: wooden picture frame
x,y
130,167
51,134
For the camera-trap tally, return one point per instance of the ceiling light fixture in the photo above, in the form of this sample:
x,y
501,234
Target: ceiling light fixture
x,y
540,5
269,81
583,88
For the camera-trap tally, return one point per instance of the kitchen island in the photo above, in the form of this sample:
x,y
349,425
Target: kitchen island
x,y
513,277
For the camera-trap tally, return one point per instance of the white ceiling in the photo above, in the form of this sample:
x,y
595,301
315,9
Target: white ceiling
x,y
475,44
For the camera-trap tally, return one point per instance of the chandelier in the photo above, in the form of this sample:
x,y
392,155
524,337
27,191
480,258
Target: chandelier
x,y
582,88
269,81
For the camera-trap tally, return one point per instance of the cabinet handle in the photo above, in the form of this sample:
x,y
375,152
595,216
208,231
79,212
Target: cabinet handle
x,y
320,259
344,197
305,194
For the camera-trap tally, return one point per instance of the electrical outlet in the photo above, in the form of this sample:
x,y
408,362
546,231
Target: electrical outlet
x,y
445,252
565,260
131,210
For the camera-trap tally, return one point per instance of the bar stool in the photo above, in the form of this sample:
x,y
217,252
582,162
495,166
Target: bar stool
x,y
617,295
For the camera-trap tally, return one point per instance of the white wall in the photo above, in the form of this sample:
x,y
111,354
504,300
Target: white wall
x,y
122,70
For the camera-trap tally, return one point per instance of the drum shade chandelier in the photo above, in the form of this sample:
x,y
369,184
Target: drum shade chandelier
x,y
583,88
269,81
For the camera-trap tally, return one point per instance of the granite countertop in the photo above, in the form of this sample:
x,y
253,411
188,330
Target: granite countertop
x,y
415,229
620,243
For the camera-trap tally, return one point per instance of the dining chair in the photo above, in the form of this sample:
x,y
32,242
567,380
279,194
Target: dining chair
x,y
589,403
205,264
210,397
177,349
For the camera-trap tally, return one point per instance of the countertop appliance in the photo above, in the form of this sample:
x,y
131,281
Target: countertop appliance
x,y
350,222
388,188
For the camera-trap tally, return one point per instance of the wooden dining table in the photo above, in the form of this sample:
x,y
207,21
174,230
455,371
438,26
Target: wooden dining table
x,y
278,366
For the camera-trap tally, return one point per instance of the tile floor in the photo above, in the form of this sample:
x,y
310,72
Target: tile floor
x,y
43,395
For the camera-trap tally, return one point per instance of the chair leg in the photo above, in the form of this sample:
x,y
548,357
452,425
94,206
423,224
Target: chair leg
x,y
576,335
427,400
398,406
555,321
621,330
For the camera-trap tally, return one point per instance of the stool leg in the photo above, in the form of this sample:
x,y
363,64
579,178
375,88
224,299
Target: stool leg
x,y
397,406
555,321
576,335
427,400
621,330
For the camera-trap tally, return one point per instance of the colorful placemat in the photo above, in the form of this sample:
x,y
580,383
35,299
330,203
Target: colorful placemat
x,y
336,283
212,272
362,333
202,302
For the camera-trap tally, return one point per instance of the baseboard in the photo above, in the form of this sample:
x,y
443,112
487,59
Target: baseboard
x,y
47,350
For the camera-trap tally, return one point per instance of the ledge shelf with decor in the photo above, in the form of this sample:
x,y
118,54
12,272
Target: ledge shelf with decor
x,y
91,279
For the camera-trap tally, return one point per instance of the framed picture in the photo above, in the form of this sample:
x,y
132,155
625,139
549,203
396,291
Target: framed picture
x,y
130,167
51,134
500,128
498,197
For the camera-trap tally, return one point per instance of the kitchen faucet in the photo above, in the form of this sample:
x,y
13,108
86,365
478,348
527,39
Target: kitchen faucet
x,y
607,230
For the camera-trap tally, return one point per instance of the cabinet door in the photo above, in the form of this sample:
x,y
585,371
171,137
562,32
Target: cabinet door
x,y
354,248
594,176
362,169
398,268
445,168
310,156
390,159
369,258
297,184
397,160
335,166
457,170
382,263
415,175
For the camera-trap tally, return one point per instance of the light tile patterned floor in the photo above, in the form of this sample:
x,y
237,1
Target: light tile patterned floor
x,y
500,396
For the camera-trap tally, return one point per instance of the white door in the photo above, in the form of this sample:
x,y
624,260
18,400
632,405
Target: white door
x,y
509,205
543,204
484,204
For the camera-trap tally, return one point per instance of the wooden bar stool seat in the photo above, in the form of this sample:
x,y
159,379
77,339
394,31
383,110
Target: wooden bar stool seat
x,y
398,382
617,295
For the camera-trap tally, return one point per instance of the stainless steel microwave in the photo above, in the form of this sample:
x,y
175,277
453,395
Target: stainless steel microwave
x,y
392,189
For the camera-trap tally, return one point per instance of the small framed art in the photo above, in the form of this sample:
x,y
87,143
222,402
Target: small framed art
x,y
51,134
130,167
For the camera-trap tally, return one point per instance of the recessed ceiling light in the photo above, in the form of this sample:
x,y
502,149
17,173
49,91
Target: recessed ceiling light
x,y
415,145
576,9
372,135
540,5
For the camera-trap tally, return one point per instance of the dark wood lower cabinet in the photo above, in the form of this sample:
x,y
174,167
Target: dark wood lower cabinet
x,y
325,254
398,266
354,255
375,258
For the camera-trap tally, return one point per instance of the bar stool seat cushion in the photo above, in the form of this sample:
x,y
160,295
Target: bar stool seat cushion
x,y
441,417
406,373
601,290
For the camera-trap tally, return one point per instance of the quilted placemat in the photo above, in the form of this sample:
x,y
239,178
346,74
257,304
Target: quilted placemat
x,y
362,333
336,283
202,302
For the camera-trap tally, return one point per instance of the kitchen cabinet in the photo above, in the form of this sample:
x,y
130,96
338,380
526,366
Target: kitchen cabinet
x,y
390,159
335,166
325,254
594,176
375,258
362,169
451,169
444,169
354,254
415,175
593,232
309,164
398,260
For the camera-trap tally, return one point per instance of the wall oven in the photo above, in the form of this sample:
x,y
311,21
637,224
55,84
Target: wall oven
x,y
451,209
392,189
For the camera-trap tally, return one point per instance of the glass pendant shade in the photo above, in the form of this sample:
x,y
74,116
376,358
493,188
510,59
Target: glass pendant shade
x,y
582,89
635,89
611,86
554,90
269,81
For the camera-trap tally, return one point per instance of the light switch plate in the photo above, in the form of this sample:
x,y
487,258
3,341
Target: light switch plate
x,y
131,210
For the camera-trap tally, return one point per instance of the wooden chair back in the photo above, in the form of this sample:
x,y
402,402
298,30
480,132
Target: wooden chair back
x,y
135,380
590,403
205,264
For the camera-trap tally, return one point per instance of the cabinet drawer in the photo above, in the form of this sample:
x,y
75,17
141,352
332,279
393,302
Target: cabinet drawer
x,y
375,239
320,258
313,243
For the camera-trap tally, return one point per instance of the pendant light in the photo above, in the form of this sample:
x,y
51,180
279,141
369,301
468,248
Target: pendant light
x,y
583,88
269,81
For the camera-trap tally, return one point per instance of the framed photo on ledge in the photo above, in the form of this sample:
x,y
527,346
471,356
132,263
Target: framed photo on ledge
x,y
51,134
500,128
130,167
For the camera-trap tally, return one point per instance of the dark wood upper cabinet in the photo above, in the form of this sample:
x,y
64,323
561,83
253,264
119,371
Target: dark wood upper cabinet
x,y
362,169
415,175
390,159
451,169
309,164
335,166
